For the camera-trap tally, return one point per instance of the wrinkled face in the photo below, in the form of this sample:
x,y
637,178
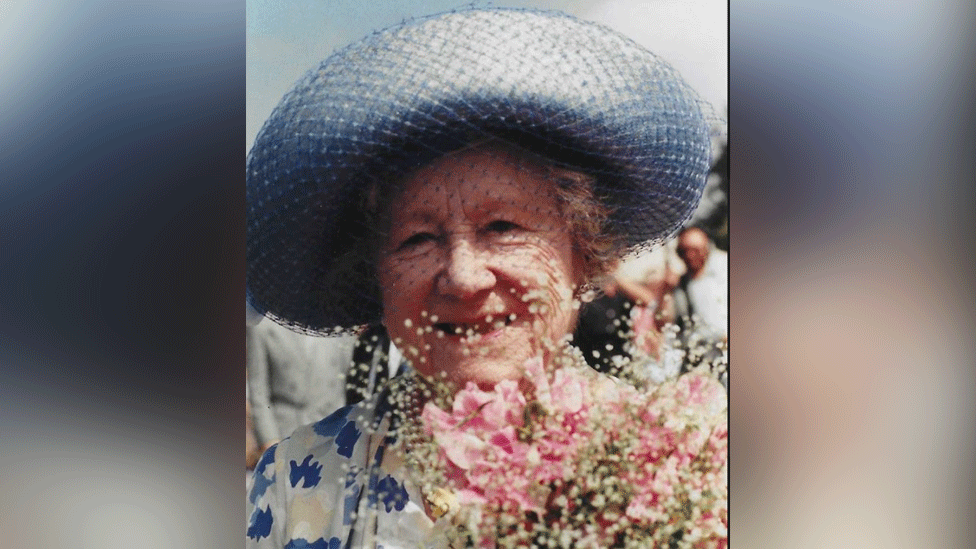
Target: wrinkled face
x,y
478,270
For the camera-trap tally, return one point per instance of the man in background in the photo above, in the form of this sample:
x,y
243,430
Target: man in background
x,y
702,300
293,379
705,283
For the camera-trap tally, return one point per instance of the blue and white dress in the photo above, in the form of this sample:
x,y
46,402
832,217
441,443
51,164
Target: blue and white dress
x,y
339,483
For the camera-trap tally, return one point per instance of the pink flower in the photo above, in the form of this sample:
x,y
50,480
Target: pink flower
x,y
576,439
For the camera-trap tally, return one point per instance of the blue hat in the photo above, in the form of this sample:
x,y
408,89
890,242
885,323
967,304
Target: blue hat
x,y
577,93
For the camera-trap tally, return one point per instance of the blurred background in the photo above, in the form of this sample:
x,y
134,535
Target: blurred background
x,y
851,274
122,142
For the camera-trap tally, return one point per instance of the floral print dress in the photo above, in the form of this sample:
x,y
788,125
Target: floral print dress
x,y
339,483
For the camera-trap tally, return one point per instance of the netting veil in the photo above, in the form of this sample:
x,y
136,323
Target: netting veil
x,y
583,97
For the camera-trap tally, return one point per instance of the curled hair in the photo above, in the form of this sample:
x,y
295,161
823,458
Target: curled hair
x,y
587,216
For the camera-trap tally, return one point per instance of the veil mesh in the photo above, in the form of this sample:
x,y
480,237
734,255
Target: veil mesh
x,y
576,93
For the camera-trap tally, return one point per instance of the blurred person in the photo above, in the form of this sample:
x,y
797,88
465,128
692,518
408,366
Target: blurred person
x,y
712,214
702,303
603,329
649,280
293,379
626,320
702,294
252,451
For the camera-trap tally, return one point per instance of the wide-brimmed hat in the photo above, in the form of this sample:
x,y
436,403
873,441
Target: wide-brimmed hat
x,y
575,92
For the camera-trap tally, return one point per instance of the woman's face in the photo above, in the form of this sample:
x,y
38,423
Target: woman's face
x,y
478,271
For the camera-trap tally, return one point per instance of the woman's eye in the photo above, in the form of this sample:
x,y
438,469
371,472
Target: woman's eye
x,y
416,240
501,226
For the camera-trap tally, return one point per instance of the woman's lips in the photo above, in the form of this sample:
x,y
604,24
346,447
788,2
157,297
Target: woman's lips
x,y
470,329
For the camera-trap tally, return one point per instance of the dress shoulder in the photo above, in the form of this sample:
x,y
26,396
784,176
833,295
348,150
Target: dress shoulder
x,y
300,488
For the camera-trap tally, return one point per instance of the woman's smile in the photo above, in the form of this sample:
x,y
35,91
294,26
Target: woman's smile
x,y
478,269
481,327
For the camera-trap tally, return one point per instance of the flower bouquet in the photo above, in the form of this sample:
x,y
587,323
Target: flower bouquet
x,y
571,458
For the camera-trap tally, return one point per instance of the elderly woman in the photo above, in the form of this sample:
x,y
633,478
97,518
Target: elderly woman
x,y
461,180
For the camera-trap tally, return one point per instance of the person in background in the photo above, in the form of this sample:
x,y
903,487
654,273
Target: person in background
x,y
251,449
624,321
293,379
602,332
702,299
706,282
649,280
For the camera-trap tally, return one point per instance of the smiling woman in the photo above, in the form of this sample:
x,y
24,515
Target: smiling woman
x,y
474,282
461,180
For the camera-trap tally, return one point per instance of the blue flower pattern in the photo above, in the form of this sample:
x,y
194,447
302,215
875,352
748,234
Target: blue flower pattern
x,y
308,470
346,440
261,480
392,493
351,500
344,430
330,426
260,524
302,543
331,448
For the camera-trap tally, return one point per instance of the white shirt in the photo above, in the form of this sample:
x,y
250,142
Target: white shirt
x,y
708,294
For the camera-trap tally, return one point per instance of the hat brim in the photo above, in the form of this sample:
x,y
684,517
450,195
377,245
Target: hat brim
x,y
577,93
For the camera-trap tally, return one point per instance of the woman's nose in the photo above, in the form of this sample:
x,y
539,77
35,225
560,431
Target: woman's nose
x,y
466,271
